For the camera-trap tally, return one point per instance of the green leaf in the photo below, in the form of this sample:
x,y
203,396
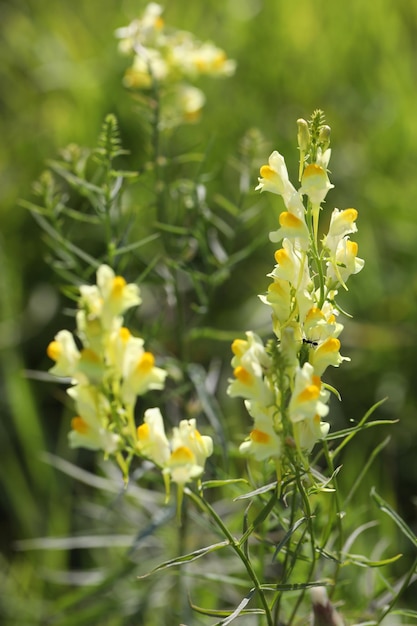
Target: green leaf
x,y
296,586
210,484
365,468
84,187
226,614
288,536
226,204
187,558
363,561
257,492
137,244
386,508
405,613
239,609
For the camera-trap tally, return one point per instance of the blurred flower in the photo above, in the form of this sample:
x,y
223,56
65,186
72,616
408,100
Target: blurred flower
x,y
263,442
152,441
167,59
187,435
109,370
91,428
65,353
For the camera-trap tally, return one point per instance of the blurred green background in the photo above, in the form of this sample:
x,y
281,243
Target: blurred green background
x,y
60,74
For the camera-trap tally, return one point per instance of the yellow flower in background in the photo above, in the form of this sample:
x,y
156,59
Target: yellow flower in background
x,y
140,373
116,295
64,352
152,440
168,59
187,435
145,31
182,467
91,428
109,370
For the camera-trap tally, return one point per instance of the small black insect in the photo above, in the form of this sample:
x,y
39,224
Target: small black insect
x,y
310,342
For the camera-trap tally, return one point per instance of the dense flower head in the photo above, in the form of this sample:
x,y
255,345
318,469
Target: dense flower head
x,y
109,368
170,59
302,299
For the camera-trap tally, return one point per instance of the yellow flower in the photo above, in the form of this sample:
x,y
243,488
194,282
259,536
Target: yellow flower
x,y
307,399
274,178
326,354
65,353
342,223
279,298
152,441
182,466
139,372
315,183
186,434
292,227
344,263
91,427
250,362
263,442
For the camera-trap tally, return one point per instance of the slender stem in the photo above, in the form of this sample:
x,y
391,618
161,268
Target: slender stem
x,y
308,514
312,215
285,569
329,459
235,544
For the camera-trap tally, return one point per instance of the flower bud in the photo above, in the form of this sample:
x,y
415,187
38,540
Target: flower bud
x,y
303,135
324,137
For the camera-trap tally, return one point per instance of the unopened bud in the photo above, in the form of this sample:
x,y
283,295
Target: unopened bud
x,y
303,135
324,137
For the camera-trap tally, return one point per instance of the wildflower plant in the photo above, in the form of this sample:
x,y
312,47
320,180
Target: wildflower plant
x,y
281,382
108,373
276,502
165,64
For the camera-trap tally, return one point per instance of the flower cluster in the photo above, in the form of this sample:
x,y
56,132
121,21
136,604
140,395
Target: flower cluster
x,y
171,59
281,382
109,368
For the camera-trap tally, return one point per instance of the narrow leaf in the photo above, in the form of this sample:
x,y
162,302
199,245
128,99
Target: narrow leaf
x,y
296,586
288,536
386,508
239,608
210,484
257,492
187,558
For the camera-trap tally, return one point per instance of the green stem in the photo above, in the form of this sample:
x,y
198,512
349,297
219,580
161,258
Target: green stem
x,y
285,569
329,459
312,215
309,517
236,545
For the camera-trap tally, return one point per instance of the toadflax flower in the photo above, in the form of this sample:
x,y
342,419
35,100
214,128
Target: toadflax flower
x,y
281,382
109,368
152,440
170,60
